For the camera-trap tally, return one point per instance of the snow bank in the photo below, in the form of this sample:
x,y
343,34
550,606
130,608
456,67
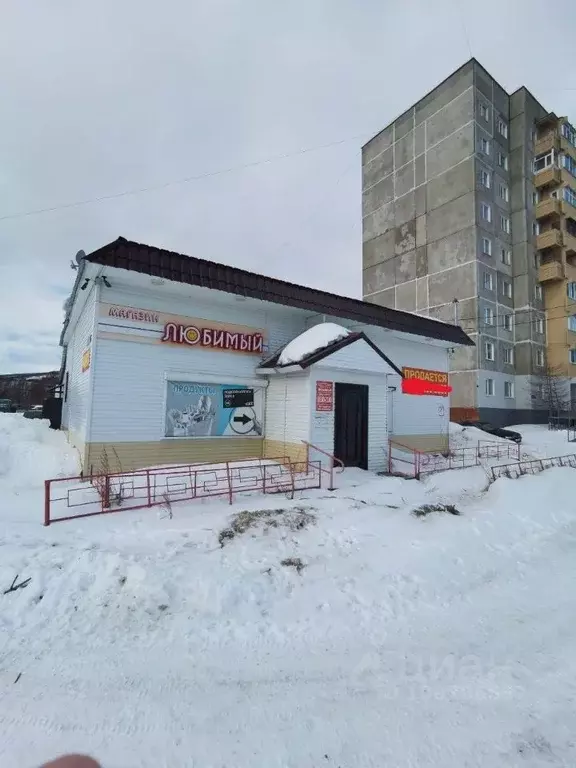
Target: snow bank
x,y
31,452
310,341
443,641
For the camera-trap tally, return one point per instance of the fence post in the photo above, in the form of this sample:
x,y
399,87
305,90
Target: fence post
x,y
229,481
331,486
46,502
106,499
148,487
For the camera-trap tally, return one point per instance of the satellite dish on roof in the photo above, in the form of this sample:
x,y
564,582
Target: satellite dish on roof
x,y
79,256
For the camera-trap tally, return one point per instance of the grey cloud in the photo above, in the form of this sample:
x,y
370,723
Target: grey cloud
x,y
102,97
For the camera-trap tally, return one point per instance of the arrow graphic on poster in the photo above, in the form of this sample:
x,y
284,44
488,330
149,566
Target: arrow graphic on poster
x,y
242,419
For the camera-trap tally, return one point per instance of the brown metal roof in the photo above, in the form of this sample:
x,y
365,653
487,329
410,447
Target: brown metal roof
x,y
157,262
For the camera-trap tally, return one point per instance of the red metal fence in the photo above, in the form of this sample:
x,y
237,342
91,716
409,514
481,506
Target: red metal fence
x,y
414,463
68,498
532,466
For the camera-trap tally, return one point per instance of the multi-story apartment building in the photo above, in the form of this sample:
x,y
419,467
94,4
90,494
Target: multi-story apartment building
x,y
456,221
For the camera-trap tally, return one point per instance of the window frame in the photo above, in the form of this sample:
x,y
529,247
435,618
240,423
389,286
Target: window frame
x,y
504,192
488,208
508,351
506,256
507,316
570,358
502,161
489,345
540,361
484,110
549,156
507,289
571,292
489,385
488,241
538,292
510,385
485,146
505,224
488,277
502,127
489,313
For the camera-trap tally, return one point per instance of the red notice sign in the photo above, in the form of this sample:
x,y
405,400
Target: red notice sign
x,y
324,396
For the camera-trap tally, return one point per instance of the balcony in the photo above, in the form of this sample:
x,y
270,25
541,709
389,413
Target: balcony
x,y
548,207
547,142
570,243
552,238
547,177
551,270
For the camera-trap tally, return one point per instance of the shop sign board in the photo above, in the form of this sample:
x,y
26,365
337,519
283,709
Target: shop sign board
x,y
196,409
147,326
324,396
421,381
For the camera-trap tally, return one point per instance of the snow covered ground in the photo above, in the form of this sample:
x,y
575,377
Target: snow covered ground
x,y
402,641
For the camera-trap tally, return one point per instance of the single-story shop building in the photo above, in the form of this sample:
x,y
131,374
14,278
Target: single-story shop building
x,y
171,359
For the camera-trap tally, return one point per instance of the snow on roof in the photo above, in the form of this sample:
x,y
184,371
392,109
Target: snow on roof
x,y
315,338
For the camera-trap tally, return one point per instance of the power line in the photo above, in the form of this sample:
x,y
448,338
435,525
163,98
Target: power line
x,y
177,182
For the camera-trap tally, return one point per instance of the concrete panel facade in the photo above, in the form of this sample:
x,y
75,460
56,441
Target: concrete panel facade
x,y
429,180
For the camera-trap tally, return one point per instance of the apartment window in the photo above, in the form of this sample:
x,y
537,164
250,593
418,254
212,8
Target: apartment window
x,y
538,292
571,291
488,315
488,351
569,195
485,146
544,161
484,111
486,211
507,321
505,256
502,127
572,323
503,192
573,356
569,133
535,228
502,160
540,358
505,224
489,387
508,389
507,289
484,178
535,198
536,260
554,194
508,355
487,246
539,325
488,281
569,163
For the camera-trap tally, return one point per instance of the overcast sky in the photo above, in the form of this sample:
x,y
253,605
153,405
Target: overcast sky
x,y
101,97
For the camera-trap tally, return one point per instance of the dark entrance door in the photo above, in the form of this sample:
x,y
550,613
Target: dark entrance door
x,y
351,424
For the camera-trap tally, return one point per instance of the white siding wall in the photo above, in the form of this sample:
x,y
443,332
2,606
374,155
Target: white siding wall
x,y
322,422
288,408
75,410
411,414
129,384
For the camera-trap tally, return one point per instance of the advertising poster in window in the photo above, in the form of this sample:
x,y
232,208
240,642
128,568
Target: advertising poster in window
x,y
213,410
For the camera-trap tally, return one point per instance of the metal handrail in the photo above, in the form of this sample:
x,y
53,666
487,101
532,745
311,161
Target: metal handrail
x,y
332,458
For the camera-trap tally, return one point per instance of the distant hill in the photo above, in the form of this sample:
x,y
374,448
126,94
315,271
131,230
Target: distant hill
x,y
26,389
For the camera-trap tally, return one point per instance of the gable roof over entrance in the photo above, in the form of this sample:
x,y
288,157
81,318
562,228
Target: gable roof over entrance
x,y
320,354
157,262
